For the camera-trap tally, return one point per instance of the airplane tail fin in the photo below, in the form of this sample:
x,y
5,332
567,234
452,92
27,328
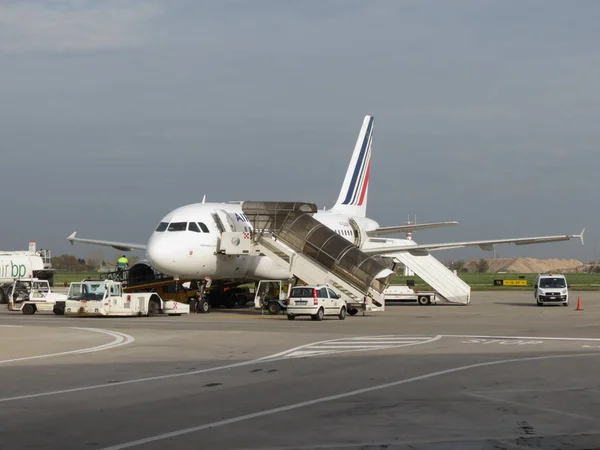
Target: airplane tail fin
x,y
353,195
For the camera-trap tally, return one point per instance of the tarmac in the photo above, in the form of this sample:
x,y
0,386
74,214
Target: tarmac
x,y
499,373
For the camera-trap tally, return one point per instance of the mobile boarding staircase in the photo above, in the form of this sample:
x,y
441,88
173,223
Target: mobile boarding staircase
x,y
287,233
449,287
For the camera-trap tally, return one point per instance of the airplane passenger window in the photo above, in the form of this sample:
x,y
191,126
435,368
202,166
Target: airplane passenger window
x,y
162,226
177,226
193,226
203,227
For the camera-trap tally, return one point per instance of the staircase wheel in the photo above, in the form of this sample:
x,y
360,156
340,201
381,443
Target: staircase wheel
x,y
424,300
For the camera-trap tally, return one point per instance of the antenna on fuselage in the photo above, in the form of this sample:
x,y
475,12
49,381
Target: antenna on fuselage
x,y
204,198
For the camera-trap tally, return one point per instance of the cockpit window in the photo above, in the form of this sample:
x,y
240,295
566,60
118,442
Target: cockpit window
x,y
193,226
177,226
162,226
203,227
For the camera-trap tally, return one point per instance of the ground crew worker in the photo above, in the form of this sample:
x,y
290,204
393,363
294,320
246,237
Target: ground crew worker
x,y
122,263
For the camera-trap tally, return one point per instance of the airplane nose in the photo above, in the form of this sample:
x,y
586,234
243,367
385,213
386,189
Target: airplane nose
x,y
162,256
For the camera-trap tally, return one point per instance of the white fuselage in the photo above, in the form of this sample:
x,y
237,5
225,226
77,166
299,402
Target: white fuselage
x,y
183,253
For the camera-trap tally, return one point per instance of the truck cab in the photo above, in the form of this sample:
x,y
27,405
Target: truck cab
x,y
551,289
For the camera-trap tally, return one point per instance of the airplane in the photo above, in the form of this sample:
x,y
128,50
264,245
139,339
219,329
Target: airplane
x,y
184,245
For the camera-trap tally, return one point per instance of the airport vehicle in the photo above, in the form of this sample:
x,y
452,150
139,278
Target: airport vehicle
x,y
405,294
551,289
315,301
106,298
188,241
272,295
31,263
30,295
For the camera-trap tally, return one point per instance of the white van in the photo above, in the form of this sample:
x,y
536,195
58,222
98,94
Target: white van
x,y
315,301
551,289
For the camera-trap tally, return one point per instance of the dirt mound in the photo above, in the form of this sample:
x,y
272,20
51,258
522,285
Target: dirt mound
x,y
527,265
589,268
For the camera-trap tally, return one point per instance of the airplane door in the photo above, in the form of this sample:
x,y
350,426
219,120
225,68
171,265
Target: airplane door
x,y
226,220
218,222
356,232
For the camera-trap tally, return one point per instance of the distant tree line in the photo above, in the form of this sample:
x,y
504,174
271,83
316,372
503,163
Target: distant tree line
x,y
460,266
71,263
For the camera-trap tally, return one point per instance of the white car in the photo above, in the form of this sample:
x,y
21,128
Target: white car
x,y
315,301
551,288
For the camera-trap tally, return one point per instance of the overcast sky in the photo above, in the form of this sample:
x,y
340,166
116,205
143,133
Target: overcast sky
x,y
112,113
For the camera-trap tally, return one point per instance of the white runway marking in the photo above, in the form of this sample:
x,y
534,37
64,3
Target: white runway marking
x,y
352,344
12,326
395,341
503,341
119,340
466,336
330,398
278,357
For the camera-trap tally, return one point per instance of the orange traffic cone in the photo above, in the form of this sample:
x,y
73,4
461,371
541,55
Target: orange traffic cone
x,y
579,307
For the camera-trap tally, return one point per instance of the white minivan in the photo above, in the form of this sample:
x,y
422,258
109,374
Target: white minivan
x,y
551,289
315,301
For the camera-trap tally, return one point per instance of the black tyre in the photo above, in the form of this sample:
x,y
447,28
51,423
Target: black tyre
x,y
3,297
424,300
319,315
28,309
59,308
291,317
241,299
153,308
352,311
203,306
274,308
342,314
229,300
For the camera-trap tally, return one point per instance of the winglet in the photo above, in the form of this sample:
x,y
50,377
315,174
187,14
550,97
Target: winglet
x,y
580,236
71,238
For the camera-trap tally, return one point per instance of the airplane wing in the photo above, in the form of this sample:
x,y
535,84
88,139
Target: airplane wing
x,y
118,245
408,228
413,247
